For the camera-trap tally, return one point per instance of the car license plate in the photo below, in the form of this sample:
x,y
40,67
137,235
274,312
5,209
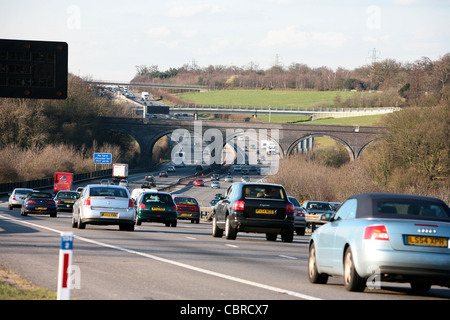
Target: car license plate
x,y
265,211
158,209
427,241
185,214
41,208
109,214
69,201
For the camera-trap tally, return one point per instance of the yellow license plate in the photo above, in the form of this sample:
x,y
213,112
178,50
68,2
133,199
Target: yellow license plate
x,y
185,214
69,201
427,241
158,209
109,214
41,208
265,211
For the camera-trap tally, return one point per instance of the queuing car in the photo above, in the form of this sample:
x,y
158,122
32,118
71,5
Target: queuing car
x,y
228,178
39,202
170,169
215,184
245,179
163,174
384,237
299,217
199,182
104,205
187,208
156,206
65,200
317,207
17,196
254,207
215,176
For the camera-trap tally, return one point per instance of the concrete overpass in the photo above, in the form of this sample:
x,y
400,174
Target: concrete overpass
x,y
148,85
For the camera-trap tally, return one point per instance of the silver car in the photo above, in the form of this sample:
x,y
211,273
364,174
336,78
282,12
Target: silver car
x,y
378,237
17,196
299,217
104,205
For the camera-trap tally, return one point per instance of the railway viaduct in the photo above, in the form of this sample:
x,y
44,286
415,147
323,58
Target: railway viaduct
x,y
147,131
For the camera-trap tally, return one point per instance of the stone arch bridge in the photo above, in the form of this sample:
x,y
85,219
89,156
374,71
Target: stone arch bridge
x,y
147,131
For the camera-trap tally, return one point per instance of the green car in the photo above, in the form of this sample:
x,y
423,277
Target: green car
x,y
155,206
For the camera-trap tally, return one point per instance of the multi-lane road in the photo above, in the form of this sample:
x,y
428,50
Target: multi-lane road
x,y
165,263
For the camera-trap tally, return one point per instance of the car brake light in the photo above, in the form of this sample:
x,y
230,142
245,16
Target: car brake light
x,y
31,201
50,202
376,233
300,214
87,201
290,208
130,203
238,205
141,206
59,200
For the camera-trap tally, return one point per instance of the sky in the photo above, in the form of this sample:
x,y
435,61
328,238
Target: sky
x,y
107,39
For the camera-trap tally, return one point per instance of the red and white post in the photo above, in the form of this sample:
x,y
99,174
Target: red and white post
x,y
65,266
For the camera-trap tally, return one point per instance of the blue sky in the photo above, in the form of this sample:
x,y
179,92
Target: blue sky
x,y
108,38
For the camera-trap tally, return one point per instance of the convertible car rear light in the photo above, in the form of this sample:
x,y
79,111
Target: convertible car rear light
x,y
238,205
376,233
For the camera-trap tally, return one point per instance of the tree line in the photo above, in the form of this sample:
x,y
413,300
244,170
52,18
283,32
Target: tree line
x,y
423,82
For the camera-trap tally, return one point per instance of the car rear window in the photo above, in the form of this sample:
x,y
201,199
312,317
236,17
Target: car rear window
x,y
411,209
182,200
72,195
157,198
40,195
108,192
23,191
266,192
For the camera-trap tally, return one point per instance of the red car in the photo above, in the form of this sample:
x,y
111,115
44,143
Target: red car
x,y
187,208
199,182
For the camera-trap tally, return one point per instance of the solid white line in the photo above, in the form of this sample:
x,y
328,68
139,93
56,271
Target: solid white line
x,y
179,264
192,238
231,245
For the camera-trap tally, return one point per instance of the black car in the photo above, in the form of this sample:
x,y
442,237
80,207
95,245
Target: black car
x,y
39,202
254,207
65,200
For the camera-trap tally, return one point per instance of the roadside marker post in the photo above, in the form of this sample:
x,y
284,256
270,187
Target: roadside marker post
x,y
65,266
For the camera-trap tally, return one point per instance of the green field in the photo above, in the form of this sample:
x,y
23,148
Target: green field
x,y
265,98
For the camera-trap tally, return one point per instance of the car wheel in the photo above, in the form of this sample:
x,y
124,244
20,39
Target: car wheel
x,y
300,231
74,222
352,280
420,286
314,275
138,221
230,232
10,207
271,236
287,236
23,213
80,225
216,231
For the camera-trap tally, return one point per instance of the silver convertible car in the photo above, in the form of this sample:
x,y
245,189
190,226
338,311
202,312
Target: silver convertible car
x,y
378,237
104,205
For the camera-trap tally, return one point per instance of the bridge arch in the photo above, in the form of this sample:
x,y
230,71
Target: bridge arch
x,y
351,152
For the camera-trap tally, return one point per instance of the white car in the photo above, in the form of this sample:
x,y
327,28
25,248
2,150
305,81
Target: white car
x,y
215,184
104,205
170,169
17,196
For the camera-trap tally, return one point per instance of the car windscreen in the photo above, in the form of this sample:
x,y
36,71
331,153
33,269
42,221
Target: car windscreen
x,y
108,192
40,195
294,201
319,206
182,200
412,209
157,198
265,192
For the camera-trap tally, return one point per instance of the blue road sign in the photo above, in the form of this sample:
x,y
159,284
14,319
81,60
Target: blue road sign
x,y
104,158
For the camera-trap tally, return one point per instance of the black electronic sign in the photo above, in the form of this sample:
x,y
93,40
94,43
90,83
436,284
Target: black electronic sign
x,y
33,69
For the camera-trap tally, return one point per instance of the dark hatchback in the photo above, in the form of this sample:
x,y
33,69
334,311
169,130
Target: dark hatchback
x,y
65,200
187,208
155,206
39,202
254,207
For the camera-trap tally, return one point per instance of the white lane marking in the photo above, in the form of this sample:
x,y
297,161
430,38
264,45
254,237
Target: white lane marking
x,y
192,238
287,257
231,245
176,263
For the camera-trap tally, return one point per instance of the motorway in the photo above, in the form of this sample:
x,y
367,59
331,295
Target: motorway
x,y
156,262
